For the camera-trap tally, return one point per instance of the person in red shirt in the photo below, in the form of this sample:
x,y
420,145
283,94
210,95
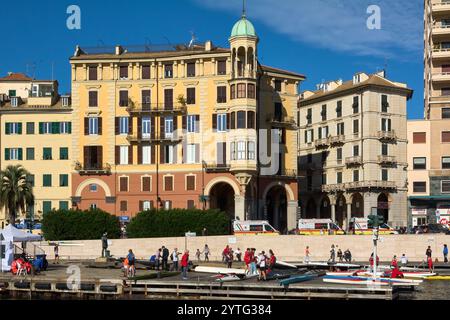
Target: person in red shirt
x,y
184,264
247,259
371,260
272,261
225,253
430,264
394,262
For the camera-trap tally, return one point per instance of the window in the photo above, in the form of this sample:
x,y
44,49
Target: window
x,y
30,153
384,149
167,205
251,91
64,153
356,126
241,120
339,154
419,186
384,175
339,109
11,93
123,98
123,184
146,127
168,127
324,112
123,205
145,72
385,124
190,92
445,162
65,127
356,150
445,91
93,99
445,113
123,125
445,136
30,127
309,136
45,127
355,105
324,157
323,132
420,163
384,103
222,122
47,180
309,116
233,92
241,150
63,180
191,123
46,207
168,154
339,177
221,94
241,90
419,137
233,150
278,111
168,99
123,155
93,206
123,72
64,205
221,67
146,184
445,186
355,175
93,126
340,129
190,183
190,204
92,73
168,183
13,154
13,128
191,153
191,69
168,71
277,85
146,154
250,120
93,187
146,205
251,150
146,98
47,154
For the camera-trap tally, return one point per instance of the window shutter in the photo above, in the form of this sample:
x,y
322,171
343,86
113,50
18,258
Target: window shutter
x,y
153,155
228,121
175,154
232,122
69,126
161,155
214,121
86,156
130,125
161,126
7,152
20,128
117,125
168,183
139,128
86,126
197,153
251,120
117,155
152,127
99,126
41,127
100,156
139,154
7,128
141,205
146,184
175,123
20,154
130,154
183,125
55,127
197,123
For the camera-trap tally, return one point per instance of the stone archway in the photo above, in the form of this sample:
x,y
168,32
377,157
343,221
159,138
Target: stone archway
x,y
276,206
221,196
311,211
383,206
325,208
357,206
341,210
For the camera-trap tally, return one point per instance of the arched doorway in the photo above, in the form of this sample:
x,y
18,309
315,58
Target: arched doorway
x,y
325,208
357,206
310,210
276,204
221,197
341,212
383,206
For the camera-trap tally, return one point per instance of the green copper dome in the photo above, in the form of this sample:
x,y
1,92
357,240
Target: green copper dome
x,y
243,28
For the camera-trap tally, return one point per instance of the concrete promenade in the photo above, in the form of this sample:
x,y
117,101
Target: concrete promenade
x,y
287,248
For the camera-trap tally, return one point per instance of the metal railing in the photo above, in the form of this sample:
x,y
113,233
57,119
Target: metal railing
x,y
372,184
322,142
157,108
216,167
353,160
387,159
339,139
87,169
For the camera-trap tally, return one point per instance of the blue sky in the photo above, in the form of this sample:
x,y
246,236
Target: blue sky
x,y
323,39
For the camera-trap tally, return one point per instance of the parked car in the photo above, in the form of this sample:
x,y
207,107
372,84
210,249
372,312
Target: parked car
x,y
431,228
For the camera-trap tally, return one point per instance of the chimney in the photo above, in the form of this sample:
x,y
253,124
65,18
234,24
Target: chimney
x,y
208,45
119,50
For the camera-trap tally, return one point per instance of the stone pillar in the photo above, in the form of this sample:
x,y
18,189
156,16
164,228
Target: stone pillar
x,y
349,215
85,72
213,66
292,215
139,71
175,69
239,207
333,211
130,71
100,71
317,210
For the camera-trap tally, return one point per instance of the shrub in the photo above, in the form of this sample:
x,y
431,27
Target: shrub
x,y
79,225
176,222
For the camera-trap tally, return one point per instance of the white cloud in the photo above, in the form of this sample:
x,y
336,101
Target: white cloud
x,y
339,25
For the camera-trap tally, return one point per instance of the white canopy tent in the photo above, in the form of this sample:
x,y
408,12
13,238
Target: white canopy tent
x,y
8,236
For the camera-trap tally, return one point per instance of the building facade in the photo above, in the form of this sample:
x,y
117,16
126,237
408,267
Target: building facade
x,y
353,150
186,127
36,133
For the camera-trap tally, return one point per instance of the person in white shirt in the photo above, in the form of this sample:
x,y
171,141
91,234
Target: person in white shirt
x,y
174,257
262,265
404,260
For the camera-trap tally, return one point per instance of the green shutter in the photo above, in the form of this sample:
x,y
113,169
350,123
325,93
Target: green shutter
x,y
47,180
64,153
70,127
55,128
47,206
41,127
64,205
20,154
6,153
7,128
20,128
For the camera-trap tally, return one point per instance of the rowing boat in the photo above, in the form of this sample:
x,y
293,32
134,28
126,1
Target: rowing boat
x,y
369,280
297,279
328,264
415,275
438,278
219,270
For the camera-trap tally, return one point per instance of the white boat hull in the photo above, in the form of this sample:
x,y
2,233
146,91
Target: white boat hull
x,y
217,270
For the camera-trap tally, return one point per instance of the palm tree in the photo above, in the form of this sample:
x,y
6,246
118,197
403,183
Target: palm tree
x,y
16,191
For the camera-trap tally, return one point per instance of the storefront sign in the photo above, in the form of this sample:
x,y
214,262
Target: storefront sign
x,y
419,212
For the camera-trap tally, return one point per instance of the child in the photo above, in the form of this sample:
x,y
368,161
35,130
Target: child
x,y
197,254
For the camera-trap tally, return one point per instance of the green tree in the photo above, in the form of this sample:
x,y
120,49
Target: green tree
x,y
16,191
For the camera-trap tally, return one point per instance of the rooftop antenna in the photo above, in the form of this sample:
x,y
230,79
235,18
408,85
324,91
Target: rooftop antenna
x,y
243,8
385,67
193,39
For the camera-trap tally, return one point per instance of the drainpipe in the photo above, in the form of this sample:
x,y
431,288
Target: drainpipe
x,y
258,164
156,135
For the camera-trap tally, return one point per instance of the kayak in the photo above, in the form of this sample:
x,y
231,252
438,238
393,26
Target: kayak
x,y
219,270
438,278
329,264
361,279
367,273
297,279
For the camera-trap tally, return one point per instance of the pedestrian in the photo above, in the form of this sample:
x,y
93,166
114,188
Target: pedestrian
x,y
174,258
272,261
157,258
445,253
225,253
184,264
104,244
307,254
247,260
430,264
394,263
371,261
262,265
332,254
404,260
198,254
347,256
56,251
238,254
229,259
253,260
206,252
165,257
339,255
429,252
131,262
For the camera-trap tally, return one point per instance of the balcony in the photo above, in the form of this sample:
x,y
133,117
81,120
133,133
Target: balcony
x,y
278,121
353,161
441,29
337,140
167,139
157,109
322,143
288,173
441,77
386,135
340,187
387,160
373,184
93,169
212,167
441,7
440,53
